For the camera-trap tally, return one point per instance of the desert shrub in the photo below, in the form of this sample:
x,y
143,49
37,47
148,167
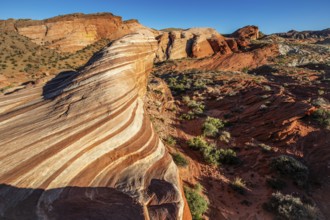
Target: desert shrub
x,y
197,203
180,160
179,83
211,126
199,84
290,207
238,185
225,136
194,104
170,141
245,69
319,102
186,99
322,116
210,130
197,143
276,183
291,167
210,154
228,156
187,116
196,108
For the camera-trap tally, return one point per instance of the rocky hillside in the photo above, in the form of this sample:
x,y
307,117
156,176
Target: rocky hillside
x,y
301,35
250,128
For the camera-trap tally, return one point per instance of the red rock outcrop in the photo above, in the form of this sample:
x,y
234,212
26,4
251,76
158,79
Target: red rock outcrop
x,y
245,34
73,32
82,146
195,43
232,61
202,43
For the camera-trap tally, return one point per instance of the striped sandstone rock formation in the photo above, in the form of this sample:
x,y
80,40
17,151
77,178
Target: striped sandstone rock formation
x,y
82,147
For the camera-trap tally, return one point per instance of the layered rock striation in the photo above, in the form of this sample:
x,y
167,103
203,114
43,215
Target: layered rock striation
x,y
82,147
202,42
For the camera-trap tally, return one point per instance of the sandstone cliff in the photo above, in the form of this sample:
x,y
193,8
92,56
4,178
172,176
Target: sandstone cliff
x,y
202,42
195,42
82,146
70,33
245,34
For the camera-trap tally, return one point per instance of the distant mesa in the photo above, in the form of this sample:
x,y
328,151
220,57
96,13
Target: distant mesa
x,y
305,35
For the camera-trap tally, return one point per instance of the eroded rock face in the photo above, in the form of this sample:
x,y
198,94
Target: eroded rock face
x,y
245,34
202,43
248,32
70,33
195,43
82,146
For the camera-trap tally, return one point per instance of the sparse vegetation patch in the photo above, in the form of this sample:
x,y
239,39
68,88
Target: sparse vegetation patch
x,y
180,160
322,116
197,203
211,126
290,167
238,185
212,154
290,207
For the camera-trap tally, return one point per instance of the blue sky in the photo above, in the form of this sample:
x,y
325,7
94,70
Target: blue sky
x,y
225,16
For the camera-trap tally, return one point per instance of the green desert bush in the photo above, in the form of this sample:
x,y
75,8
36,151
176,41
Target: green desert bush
x,y
197,203
228,156
187,116
290,207
322,116
199,84
197,143
211,126
211,154
179,83
170,141
186,99
210,130
180,160
196,109
289,166
225,136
